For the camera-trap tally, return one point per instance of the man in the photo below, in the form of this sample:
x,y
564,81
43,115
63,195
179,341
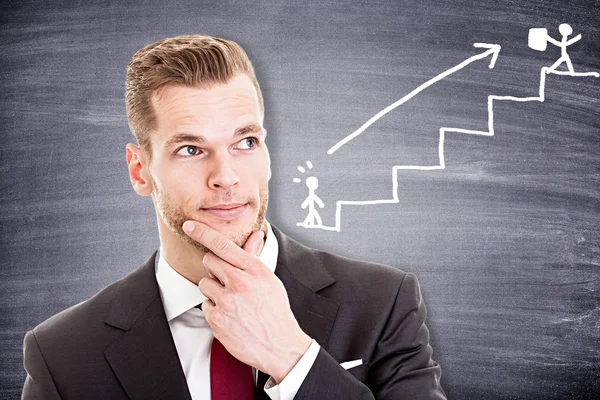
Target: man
x,y
228,307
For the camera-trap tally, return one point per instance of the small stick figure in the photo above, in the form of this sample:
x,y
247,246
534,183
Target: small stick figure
x,y
565,30
313,217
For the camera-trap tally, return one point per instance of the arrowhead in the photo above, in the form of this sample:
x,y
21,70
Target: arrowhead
x,y
493,49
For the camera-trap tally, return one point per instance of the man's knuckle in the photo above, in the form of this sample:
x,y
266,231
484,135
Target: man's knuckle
x,y
248,263
202,233
240,285
202,285
217,317
220,245
207,309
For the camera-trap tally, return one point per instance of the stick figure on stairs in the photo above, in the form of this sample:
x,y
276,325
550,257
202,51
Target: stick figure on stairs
x,y
313,217
565,30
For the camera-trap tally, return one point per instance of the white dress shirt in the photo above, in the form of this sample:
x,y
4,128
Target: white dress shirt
x,y
193,335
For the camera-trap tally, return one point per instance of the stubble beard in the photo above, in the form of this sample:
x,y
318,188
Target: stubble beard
x,y
174,216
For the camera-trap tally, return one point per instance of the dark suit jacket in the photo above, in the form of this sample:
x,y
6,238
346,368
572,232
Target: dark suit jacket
x,y
118,345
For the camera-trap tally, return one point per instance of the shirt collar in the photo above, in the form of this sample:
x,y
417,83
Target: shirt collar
x,y
179,295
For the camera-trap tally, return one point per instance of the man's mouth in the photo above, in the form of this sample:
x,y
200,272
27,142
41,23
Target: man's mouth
x,y
228,211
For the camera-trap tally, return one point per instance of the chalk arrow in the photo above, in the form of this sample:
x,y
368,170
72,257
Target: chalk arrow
x,y
492,50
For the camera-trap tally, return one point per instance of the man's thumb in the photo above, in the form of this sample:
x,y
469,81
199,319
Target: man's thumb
x,y
254,243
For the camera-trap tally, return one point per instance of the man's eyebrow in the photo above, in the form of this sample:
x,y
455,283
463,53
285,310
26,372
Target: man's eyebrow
x,y
184,137
250,128
189,138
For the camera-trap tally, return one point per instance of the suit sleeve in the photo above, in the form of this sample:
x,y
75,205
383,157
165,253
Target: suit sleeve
x,y
39,383
400,368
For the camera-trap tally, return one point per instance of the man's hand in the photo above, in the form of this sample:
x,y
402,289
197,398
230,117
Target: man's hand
x,y
247,307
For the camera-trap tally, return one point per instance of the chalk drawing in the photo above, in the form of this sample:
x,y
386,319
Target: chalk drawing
x,y
313,218
493,50
537,38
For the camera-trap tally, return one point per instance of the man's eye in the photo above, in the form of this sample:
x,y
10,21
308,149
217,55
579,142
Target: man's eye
x,y
247,143
188,151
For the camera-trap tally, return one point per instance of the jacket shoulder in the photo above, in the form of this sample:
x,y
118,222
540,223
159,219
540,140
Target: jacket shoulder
x,y
352,277
345,266
88,316
366,280
81,317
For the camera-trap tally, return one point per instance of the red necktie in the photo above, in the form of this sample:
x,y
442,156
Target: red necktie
x,y
230,379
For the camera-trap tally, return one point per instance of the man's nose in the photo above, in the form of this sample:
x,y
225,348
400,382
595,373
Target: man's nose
x,y
224,174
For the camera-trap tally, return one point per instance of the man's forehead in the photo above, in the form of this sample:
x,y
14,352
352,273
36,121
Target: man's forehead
x,y
231,107
239,89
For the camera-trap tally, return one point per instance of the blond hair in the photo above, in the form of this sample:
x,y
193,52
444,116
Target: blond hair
x,y
192,60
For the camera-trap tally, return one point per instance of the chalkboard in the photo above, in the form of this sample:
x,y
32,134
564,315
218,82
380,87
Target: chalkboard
x,y
478,167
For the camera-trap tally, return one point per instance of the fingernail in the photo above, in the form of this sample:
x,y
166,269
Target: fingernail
x,y
188,226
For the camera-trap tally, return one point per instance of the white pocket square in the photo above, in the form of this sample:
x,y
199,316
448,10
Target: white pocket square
x,y
351,364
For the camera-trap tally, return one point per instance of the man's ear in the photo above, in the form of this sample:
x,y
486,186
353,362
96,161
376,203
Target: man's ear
x,y
138,170
268,156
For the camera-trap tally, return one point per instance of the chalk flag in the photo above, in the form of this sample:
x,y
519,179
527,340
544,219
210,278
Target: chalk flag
x,y
538,38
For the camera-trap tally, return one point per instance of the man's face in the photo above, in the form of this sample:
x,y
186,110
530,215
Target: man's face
x,y
210,162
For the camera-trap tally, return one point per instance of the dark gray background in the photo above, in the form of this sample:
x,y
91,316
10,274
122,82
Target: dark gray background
x,y
505,240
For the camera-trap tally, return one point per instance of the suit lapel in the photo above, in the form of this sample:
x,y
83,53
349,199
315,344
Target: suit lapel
x,y
303,275
144,358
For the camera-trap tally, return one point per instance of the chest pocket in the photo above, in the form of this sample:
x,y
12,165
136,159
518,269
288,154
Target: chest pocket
x,y
360,372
